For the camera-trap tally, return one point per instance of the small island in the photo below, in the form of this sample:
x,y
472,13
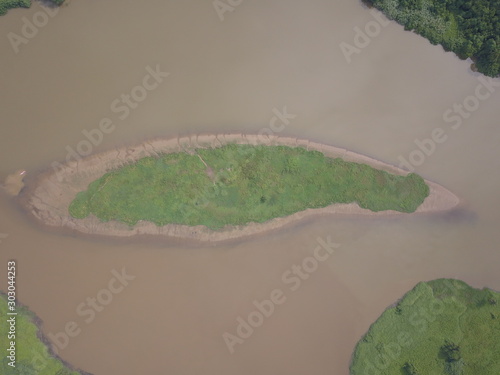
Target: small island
x,y
442,326
32,353
471,29
238,184
220,187
5,5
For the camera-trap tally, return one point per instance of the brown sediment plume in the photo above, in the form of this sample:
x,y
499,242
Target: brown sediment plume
x,y
14,183
48,197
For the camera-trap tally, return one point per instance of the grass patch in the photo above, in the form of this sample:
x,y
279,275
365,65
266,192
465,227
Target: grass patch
x,y
439,327
238,184
32,356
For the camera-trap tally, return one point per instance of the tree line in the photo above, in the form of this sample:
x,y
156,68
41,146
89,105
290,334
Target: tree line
x,y
5,5
469,28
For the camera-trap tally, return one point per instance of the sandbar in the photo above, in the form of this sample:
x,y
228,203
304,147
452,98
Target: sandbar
x,y
48,196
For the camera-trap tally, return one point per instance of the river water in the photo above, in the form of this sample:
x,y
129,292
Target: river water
x,y
233,76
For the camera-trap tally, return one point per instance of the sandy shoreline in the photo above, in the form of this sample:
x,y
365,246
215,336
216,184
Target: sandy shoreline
x,y
49,195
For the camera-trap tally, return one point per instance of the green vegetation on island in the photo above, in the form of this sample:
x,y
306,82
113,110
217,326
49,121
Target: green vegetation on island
x,y
5,5
237,184
468,28
31,354
440,327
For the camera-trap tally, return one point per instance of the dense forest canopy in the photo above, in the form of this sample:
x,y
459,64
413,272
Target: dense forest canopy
x,y
468,28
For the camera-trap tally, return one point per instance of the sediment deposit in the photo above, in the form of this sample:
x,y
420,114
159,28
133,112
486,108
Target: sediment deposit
x,y
48,196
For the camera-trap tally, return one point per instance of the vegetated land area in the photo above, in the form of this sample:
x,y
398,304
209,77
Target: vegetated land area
x,y
470,28
32,355
440,327
238,184
5,5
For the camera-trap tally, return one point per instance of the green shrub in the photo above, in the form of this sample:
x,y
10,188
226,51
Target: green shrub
x,y
451,351
5,5
410,369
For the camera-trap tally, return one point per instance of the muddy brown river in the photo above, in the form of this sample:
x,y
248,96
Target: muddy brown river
x,y
271,66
